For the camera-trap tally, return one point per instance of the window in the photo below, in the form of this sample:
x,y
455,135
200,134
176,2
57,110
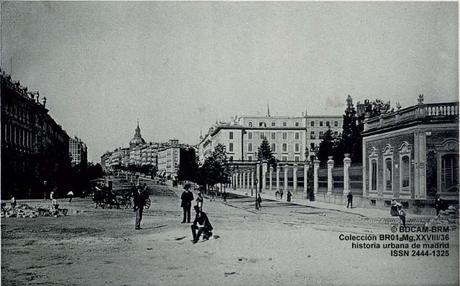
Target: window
x,y
250,135
373,173
230,147
284,147
249,158
312,135
284,135
312,124
262,124
284,124
320,123
297,135
321,135
449,172
285,158
250,124
262,135
230,135
388,174
297,147
405,171
297,158
312,146
336,123
273,124
297,124
273,135
273,147
249,147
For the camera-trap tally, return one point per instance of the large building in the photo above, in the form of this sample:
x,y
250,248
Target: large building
x,y
171,156
289,137
78,151
34,147
412,155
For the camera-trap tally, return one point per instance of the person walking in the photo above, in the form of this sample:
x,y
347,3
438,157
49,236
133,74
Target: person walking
x,y
402,215
349,199
438,204
202,225
258,202
281,194
224,196
186,204
139,203
13,202
288,196
70,194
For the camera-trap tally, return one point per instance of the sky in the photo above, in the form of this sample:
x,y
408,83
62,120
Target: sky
x,y
177,67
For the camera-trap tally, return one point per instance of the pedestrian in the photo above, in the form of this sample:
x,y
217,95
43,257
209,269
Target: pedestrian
x,y
402,215
277,193
224,196
139,203
186,204
438,204
349,199
52,194
13,202
70,194
258,202
199,201
281,194
55,207
202,225
288,195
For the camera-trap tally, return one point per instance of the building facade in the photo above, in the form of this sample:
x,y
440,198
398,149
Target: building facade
x,y
412,155
78,152
289,137
35,148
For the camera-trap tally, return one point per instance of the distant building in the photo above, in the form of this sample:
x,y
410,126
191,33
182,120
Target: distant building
x,y
412,155
170,158
105,161
137,139
34,147
78,151
289,137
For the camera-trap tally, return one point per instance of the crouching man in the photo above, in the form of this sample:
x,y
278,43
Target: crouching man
x,y
202,225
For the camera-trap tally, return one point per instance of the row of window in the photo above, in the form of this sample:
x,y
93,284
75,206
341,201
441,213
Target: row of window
x,y
321,134
327,123
272,135
283,158
284,147
273,124
18,136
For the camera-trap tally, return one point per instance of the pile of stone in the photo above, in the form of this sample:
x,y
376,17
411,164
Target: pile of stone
x,y
26,211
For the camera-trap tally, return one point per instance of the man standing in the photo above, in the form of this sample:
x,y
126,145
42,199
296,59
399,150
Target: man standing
x,y
139,202
438,204
187,198
349,199
202,224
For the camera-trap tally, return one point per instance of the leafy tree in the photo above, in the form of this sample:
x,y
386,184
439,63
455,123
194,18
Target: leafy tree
x,y
214,169
264,152
188,165
326,147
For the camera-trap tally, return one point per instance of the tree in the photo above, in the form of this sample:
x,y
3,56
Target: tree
x,y
326,147
264,152
214,169
188,165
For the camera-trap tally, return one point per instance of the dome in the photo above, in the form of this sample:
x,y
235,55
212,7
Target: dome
x,y
137,139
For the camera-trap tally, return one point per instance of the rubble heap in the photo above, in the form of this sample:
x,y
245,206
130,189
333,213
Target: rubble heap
x,y
26,211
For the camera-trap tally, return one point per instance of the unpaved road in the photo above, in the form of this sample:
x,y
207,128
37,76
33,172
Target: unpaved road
x,y
280,245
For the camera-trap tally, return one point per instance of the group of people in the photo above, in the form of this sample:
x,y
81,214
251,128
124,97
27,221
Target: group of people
x,y
280,194
201,224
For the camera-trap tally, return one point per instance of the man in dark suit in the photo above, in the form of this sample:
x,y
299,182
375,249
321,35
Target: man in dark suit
x,y
139,197
187,198
202,224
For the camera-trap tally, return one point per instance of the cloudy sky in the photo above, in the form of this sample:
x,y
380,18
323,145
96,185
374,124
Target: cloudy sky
x,y
180,66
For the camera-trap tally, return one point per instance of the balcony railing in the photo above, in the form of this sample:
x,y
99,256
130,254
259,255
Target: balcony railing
x,y
432,110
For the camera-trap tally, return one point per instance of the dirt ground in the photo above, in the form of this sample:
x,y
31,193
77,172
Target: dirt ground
x,y
281,244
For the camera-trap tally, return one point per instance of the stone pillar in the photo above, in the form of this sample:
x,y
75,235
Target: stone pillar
x,y
420,165
346,177
252,182
270,179
244,180
278,177
315,175
330,165
305,178
257,178
247,180
294,178
264,175
285,178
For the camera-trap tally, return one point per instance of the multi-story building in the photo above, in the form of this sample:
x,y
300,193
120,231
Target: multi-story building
x,y
170,157
34,147
289,137
105,161
412,155
78,151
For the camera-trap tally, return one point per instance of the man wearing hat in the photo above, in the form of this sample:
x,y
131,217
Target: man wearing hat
x,y
202,224
187,198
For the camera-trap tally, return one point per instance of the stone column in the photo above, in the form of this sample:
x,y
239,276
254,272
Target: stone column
x,y
346,177
278,177
305,178
294,178
330,165
252,182
247,179
264,175
257,178
270,179
420,165
244,179
315,175
285,178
